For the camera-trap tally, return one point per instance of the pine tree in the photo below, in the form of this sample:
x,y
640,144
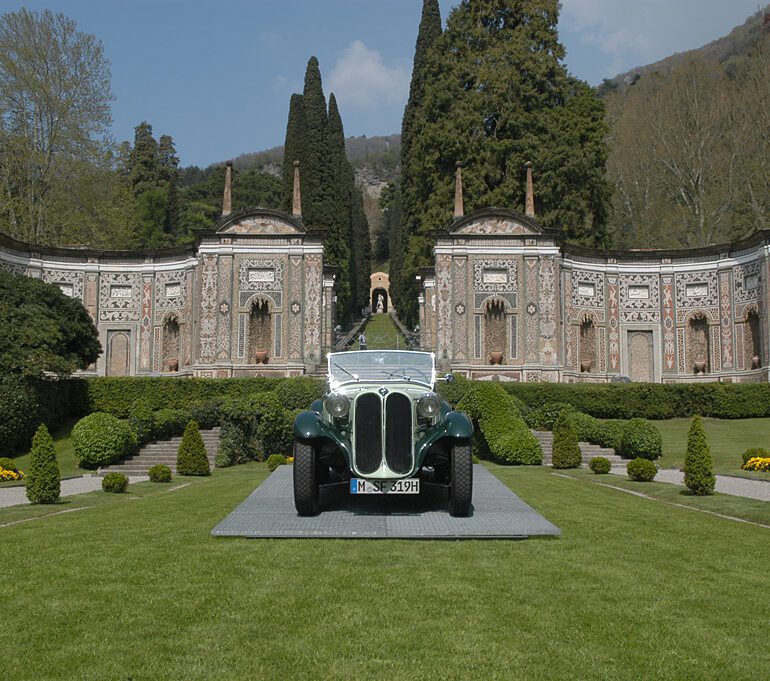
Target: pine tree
x,y
191,458
496,95
143,160
566,449
43,483
168,176
698,466
403,285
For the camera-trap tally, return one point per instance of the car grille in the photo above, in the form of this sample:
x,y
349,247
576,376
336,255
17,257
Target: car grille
x,y
398,432
368,432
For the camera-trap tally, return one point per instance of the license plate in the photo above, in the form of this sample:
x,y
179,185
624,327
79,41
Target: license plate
x,y
403,486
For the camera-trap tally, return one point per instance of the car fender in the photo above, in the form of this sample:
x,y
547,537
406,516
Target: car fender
x,y
308,425
456,426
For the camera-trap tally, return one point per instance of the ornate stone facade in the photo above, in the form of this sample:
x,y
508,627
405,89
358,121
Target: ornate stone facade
x,y
246,300
573,314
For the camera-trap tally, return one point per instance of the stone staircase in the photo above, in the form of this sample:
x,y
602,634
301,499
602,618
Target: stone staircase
x,y
163,451
588,450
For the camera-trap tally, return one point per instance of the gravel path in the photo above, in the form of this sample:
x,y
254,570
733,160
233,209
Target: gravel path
x,y
16,496
726,484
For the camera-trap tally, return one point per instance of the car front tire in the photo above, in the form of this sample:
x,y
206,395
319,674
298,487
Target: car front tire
x,y
461,481
306,497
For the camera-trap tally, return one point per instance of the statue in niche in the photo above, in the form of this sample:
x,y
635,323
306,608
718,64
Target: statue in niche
x,y
380,303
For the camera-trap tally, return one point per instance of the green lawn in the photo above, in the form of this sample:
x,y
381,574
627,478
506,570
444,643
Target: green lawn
x,y
382,334
134,586
727,439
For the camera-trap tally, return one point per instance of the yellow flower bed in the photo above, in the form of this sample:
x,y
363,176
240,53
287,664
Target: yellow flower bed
x,y
757,463
6,475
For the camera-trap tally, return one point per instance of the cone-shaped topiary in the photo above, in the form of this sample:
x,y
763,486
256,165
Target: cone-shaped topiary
x,y
43,483
192,459
566,450
698,465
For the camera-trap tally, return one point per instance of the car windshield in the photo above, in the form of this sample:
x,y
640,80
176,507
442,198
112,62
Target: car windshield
x,y
380,366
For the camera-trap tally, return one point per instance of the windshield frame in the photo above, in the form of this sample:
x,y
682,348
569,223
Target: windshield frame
x,y
385,374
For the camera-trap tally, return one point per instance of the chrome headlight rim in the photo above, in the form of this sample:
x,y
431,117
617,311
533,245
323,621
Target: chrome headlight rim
x,y
337,406
428,406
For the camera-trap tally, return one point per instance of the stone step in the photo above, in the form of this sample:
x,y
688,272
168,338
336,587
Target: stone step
x,y
162,452
587,450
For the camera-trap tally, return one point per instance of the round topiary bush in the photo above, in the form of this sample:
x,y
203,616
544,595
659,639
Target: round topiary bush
x,y
600,465
275,460
115,483
566,450
159,473
751,453
698,466
641,470
192,459
9,465
101,439
641,439
43,482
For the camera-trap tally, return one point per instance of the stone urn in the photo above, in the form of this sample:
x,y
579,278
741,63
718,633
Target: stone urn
x,y
496,357
173,364
700,366
755,362
260,356
585,366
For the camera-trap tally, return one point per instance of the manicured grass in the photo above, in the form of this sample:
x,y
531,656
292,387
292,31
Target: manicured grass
x,y
65,455
135,587
382,267
728,439
382,334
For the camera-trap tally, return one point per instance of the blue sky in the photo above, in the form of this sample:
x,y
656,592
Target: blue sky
x,y
216,75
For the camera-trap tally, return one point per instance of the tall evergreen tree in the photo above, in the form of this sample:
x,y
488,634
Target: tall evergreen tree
x,y
293,149
43,481
143,160
402,288
168,175
362,251
495,96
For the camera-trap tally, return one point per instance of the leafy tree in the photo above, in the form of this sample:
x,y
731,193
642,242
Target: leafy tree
x,y
566,449
55,104
495,96
699,475
43,330
43,481
191,458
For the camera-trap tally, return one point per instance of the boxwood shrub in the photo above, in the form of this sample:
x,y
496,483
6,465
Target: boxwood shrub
x,y
641,439
501,433
101,439
115,483
600,465
275,460
566,450
641,470
191,458
544,417
159,473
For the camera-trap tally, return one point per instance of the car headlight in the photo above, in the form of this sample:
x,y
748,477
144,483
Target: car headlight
x,y
428,406
338,406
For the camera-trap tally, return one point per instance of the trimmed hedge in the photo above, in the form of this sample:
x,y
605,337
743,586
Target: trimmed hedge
x,y
641,439
501,433
641,470
544,417
566,450
651,400
101,439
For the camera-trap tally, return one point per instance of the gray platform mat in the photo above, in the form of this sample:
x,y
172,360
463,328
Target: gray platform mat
x,y
498,513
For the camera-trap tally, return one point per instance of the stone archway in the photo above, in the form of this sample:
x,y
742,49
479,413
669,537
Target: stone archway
x,y
379,291
260,332
118,353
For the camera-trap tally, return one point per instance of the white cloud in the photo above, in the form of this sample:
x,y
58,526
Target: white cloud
x,y
360,78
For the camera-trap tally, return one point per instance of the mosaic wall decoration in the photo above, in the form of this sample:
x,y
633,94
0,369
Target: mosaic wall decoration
x,y
170,292
295,318
614,324
570,343
531,323
65,278
208,309
313,284
669,326
444,311
119,297
494,276
12,267
587,289
699,282
726,321
746,282
547,304
460,322
224,319
495,226
260,274
640,297
145,326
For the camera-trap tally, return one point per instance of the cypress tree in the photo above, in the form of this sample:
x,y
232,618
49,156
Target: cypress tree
x,y
43,482
143,160
293,150
402,281
168,179
566,449
362,251
191,458
698,466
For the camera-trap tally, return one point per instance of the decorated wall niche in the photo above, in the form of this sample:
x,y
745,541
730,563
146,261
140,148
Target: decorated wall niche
x,y
698,343
587,344
495,331
260,331
752,347
171,345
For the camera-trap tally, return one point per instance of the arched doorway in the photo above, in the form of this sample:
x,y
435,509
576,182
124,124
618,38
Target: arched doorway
x,y
379,292
260,332
118,353
495,331
379,300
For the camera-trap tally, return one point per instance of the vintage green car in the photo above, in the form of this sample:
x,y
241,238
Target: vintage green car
x,y
380,429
